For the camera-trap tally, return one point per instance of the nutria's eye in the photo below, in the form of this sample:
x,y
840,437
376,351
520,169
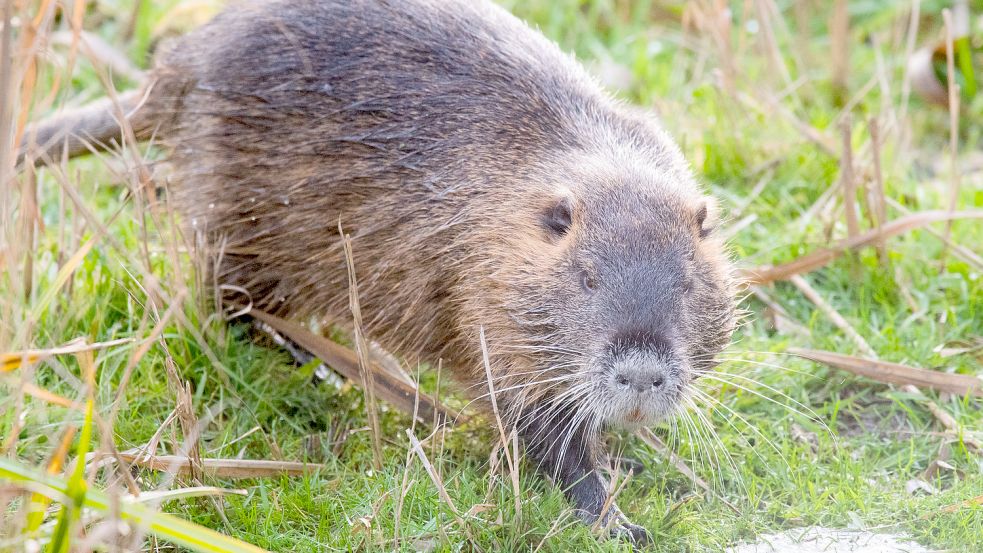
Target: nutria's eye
x,y
558,218
588,281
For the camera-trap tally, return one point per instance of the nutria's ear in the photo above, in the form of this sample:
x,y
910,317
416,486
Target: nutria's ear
x,y
706,217
558,217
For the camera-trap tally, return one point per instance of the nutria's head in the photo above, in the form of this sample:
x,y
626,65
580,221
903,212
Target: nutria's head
x,y
628,295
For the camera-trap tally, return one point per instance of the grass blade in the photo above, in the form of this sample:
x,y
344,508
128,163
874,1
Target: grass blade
x,y
164,526
75,489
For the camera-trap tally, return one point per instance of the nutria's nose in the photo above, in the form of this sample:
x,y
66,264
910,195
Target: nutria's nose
x,y
640,380
642,360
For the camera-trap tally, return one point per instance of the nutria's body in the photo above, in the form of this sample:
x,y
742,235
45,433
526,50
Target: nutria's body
x,y
487,183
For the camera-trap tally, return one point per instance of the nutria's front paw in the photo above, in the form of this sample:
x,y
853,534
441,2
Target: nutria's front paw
x,y
619,527
633,533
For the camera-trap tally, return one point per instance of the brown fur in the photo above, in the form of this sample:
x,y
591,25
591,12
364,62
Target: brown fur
x,y
487,183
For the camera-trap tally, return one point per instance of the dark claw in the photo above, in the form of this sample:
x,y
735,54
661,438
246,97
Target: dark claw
x,y
626,464
632,533
619,527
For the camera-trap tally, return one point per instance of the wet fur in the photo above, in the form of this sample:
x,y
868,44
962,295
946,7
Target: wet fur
x,y
442,135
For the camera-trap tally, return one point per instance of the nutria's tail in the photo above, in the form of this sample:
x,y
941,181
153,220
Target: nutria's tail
x,y
92,127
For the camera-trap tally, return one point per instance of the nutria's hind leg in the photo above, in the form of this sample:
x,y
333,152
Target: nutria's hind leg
x,y
239,274
568,454
299,354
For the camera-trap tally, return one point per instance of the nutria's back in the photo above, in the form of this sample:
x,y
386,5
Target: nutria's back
x,y
488,184
425,128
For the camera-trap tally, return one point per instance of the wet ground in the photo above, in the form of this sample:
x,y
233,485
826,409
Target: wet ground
x,y
830,540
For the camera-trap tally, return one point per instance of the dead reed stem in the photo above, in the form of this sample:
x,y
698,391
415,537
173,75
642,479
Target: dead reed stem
x,y
809,292
960,251
361,349
509,458
221,468
876,202
614,490
910,42
656,443
895,373
839,31
29,218
953,88
848,185
8,241
417,447
767,15
772,106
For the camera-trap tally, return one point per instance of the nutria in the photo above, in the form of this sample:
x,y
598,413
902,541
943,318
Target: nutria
x,y
488,184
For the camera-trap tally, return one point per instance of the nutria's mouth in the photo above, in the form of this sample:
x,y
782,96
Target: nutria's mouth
x,y
635,416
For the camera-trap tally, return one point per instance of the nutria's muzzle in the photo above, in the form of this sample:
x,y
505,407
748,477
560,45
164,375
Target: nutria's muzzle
x,y
643,378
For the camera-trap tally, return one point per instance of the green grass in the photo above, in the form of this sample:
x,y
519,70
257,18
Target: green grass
x,y
877,439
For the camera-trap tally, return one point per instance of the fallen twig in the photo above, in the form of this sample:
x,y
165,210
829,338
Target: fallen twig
x,y
345,361
817,259
809,292
896,373
223,468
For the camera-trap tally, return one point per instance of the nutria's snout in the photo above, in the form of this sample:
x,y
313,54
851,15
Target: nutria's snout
x,y
643,377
